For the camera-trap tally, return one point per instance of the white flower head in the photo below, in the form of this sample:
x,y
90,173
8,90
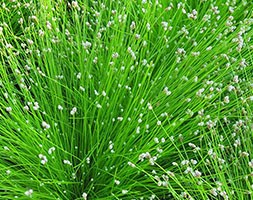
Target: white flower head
x,y
85,195
51,150
78,76
226,99
29,193
36,106
43,159
60,107
124,191
251,163
67,162
73,111
8,109
117,182
45,125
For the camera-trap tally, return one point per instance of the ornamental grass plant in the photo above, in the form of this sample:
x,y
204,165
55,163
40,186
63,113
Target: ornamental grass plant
x,y
130,99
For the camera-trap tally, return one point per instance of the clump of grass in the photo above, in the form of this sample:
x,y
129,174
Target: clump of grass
x,y
126,99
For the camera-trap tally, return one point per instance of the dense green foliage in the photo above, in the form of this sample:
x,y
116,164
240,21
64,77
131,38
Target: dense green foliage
x,y
126,99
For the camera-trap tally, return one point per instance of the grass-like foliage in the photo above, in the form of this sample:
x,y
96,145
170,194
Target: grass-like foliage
x,y
126,99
